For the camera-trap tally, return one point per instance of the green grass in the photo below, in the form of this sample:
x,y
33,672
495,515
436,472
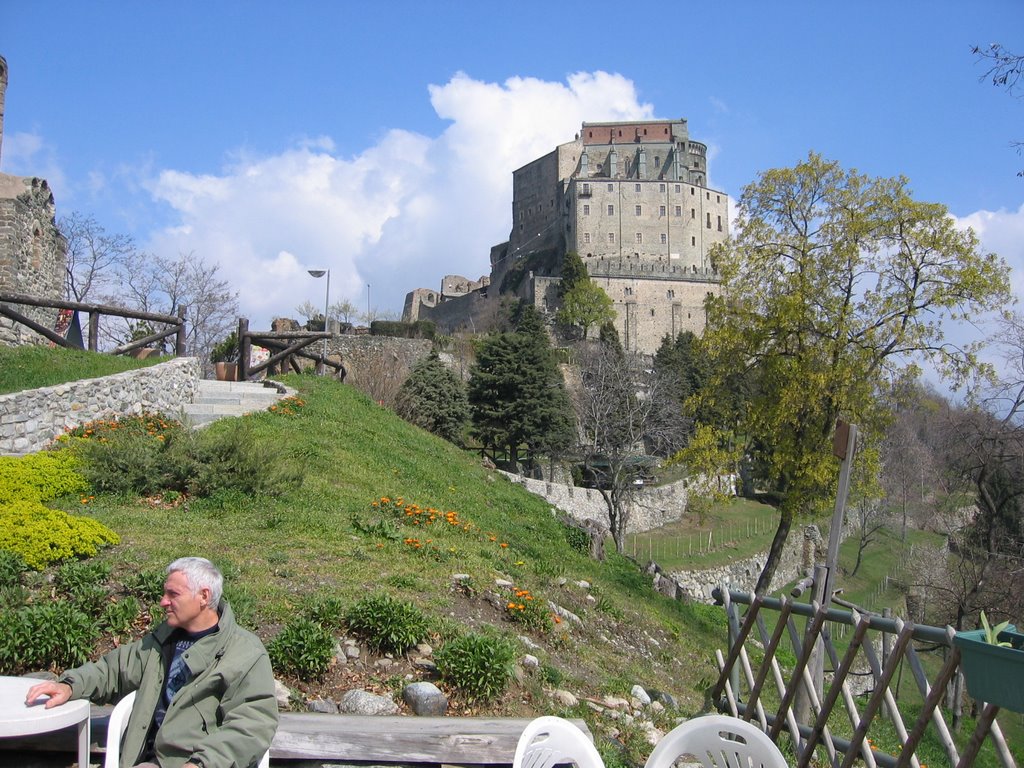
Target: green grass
x,y
31,367
732,530
327,539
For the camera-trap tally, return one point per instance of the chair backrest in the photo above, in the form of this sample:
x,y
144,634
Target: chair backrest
x,y
718,741
119,721
115,730
548,741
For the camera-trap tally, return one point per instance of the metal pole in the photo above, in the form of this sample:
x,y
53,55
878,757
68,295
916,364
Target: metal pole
x,y
327,302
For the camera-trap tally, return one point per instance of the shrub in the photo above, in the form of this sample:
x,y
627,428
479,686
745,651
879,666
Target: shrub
x,y
12,566
228,457
126,462
148,585
77,574
44,636
434,398
328,612
119,618
12,597
478,665
303,648
43,536
40,476
387,625
529,611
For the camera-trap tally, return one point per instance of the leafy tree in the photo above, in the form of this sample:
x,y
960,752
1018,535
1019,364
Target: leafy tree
x,y
831,282
517,395
434,398
584,306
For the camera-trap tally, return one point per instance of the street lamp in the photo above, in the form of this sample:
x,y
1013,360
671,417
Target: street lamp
x,y
327,301
367,303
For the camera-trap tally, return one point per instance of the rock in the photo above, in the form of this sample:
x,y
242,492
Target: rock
x,y
665,699
529,661
561,581
352,651
528,643
504,583
594,706
641,695
657,707
591,599
325,706
653,735
282,694
616,702
423,649
426,665
583,584
360,702
565,614
425,699
565,698
383,664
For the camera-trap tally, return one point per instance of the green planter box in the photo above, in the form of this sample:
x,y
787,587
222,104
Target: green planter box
x,y
994,674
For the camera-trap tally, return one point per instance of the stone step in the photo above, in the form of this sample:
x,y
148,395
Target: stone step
x,y
219,399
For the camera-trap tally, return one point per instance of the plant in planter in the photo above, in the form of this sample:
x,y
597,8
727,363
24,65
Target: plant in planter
x,y
224,357
992,659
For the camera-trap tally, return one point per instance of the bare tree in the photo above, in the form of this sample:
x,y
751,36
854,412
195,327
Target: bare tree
x,y
344,310
1005,70
907,463
93,256
620,409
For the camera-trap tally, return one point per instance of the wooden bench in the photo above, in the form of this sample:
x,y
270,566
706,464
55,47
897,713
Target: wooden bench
x,y
354,738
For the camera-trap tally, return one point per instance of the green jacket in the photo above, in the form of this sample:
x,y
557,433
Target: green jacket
x,y
225,716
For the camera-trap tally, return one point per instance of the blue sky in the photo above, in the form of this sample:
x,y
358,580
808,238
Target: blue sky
x,y
378,139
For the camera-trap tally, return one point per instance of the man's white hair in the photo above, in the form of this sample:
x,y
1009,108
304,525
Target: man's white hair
x,y
200,573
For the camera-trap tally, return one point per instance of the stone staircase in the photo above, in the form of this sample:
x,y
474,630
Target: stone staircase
x,y
217,399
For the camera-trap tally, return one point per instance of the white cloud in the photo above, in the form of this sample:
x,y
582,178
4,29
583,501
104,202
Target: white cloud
x,y
1002,232
27,154
399,215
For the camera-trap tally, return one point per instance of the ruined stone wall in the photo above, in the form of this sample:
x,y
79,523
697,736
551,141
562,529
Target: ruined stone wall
x,y
30,420
32,253
364,353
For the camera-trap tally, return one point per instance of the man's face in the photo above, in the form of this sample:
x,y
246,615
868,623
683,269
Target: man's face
x,y
182,608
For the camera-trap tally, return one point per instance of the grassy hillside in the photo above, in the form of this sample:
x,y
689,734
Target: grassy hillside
x,y
329,539
41,366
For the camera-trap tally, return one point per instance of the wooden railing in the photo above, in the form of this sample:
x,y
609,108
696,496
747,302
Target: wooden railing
x,y
286,346
176,324
742,689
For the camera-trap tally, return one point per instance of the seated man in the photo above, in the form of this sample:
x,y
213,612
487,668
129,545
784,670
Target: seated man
x,y
205,687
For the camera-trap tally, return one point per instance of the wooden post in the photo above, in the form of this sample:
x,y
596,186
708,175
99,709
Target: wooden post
x,y
94,330
244,348
179,341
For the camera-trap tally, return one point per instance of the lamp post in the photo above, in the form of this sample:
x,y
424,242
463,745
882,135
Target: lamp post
x,y
367,304
327,300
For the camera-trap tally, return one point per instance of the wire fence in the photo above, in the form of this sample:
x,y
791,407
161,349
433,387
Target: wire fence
x,y
658,546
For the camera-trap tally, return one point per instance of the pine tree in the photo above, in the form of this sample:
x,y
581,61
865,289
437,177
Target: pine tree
x,y
516,393
433,398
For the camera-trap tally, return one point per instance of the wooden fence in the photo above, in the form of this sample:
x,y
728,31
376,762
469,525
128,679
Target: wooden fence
x,y
175,323
285,347
743,688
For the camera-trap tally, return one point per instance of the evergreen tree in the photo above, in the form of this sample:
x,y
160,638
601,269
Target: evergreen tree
x,y
516,393
434,398
573,272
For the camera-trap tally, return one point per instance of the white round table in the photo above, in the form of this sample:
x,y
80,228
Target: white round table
x,y
17,719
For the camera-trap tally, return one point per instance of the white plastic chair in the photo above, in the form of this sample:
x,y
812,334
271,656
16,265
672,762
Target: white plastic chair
x,y
115,730
718,741
549,741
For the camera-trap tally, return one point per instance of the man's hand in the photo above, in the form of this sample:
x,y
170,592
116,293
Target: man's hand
x,y
58,693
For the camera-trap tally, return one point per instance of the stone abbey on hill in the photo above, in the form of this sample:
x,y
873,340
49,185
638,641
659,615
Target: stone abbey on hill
x,y
631,198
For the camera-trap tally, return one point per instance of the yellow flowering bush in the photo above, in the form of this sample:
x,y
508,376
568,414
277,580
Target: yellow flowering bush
x,y
43,536
39,476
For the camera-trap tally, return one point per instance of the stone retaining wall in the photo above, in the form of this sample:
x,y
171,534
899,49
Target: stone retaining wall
x,y
30,420
803,548
653,507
